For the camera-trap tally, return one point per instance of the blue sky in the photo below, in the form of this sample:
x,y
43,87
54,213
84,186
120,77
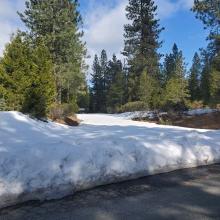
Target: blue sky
x,y
185,30
104,20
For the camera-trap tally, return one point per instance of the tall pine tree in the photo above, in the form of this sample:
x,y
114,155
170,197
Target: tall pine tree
x,y
116,85
97,87
195,78
104,73
176,86
141,43
57,23
208,12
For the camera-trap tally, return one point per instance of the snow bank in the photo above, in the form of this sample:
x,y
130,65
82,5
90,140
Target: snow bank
x,y
153,115
201,111
48,161
138,114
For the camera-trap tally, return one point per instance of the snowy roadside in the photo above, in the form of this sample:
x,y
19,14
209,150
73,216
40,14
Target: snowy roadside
x,y
48,161
153,115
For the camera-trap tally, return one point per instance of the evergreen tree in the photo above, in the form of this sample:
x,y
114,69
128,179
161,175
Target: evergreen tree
x,y
2,104
57,23
173,64
27,77
104,73
176,93
205,77
208,12
149,91
215,81
98,86
141,43
40,94
167,68
116,84
6,88
194,78
176,87
17,67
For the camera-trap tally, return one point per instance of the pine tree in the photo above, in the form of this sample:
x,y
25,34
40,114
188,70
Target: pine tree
x,y
167,68
194,78
176,87
215,81
27,79
116,84
2,104
173,64
141,43
205,77
149,91
208,12
40,94
6,88
17,67
104,73
57,23
98,86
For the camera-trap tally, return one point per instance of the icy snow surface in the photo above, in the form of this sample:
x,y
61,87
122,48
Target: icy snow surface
x,y
47,161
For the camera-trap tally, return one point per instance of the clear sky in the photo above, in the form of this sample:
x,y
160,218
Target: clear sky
x,y
104,20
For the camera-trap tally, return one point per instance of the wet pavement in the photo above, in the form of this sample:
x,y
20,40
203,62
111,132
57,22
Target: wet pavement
x,y
190,194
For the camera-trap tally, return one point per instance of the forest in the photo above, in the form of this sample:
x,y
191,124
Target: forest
x,y
43,71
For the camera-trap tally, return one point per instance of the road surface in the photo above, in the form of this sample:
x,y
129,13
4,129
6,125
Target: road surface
x,y
184,195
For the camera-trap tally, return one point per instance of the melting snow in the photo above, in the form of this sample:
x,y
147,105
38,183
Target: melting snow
x,y
47,161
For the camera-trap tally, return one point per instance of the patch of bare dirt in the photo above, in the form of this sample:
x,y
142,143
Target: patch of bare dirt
x,y
70,121
206,121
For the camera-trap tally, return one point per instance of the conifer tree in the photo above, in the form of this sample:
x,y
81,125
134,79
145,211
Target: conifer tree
x,y
208,13
141,43
57,23
215,81
97,86
194,78
27,77
104,73
149,91
176,88
116,84
40,94
205,77
16,64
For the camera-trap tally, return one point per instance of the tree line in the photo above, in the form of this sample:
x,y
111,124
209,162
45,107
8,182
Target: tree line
x,y
143,82
44,67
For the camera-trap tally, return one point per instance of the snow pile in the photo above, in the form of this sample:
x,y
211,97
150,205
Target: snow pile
x,y
201,111
47,161
153,115
139,114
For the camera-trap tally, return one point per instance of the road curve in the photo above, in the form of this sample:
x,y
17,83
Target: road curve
x,y
184,195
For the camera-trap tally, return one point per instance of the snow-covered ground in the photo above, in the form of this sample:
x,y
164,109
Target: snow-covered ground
x,y
200,111
46,161
153,115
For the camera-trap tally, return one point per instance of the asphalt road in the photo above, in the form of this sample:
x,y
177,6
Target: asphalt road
x,y
191,194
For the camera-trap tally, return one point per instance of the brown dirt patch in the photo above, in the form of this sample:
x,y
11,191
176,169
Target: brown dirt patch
x,y
206,121
70,121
